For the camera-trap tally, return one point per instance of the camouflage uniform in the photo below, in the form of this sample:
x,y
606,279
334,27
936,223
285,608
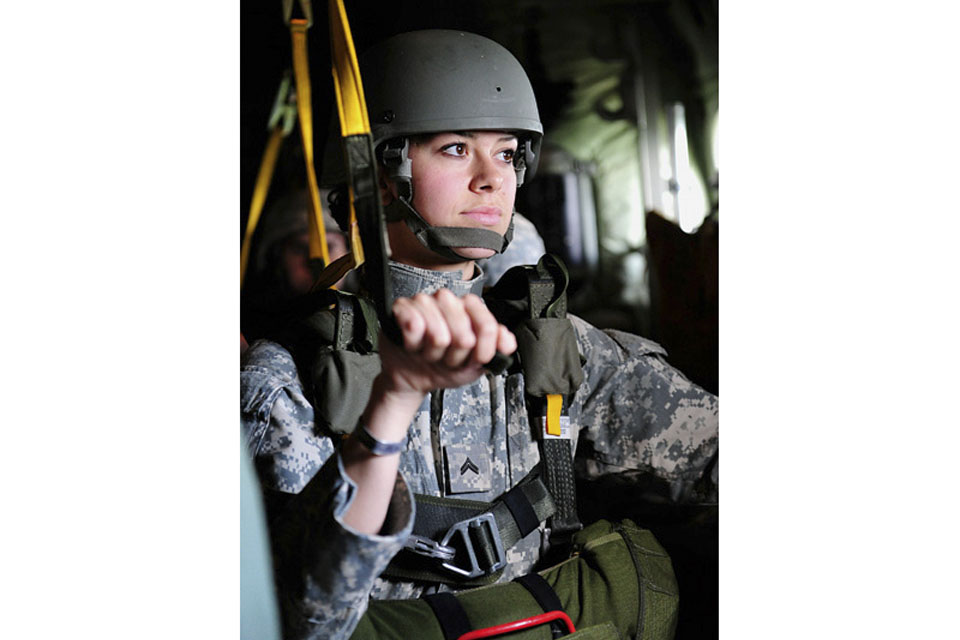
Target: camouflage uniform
x,y
634,409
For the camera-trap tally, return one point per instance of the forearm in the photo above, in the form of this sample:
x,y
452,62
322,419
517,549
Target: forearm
x,y
387,418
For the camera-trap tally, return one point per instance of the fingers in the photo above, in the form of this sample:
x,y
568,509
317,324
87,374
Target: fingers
x,y
506,341
411,322
424,325
462,338
451,331
485,328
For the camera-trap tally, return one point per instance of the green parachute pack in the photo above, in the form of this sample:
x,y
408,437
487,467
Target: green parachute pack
x,y
618,583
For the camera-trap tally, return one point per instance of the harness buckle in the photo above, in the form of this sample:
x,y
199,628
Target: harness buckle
x,y
478,525
429,548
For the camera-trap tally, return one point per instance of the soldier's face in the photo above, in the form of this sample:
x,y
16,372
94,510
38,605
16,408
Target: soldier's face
x,y
465,179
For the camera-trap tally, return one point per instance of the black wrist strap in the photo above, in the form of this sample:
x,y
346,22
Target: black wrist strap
x,y
376,447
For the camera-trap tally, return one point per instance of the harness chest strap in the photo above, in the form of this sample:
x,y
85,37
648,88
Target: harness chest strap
x,y
464,542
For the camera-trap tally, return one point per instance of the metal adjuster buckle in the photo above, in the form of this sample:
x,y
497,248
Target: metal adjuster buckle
x,y
477,523
430,548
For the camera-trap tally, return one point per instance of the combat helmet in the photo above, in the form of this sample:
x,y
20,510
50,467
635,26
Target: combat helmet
x,y
433,81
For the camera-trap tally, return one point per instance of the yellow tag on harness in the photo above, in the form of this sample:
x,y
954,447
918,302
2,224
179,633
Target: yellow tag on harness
x,y
554,406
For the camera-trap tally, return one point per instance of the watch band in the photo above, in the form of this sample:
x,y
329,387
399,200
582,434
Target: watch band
x,y
376,447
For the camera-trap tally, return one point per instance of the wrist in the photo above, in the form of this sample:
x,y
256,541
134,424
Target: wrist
x,y
391,397
389,412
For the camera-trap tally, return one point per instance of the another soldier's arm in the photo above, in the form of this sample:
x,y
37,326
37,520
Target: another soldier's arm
x,y
447,340
639,413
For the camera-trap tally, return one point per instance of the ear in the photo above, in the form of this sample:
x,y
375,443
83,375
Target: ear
x,y
387,188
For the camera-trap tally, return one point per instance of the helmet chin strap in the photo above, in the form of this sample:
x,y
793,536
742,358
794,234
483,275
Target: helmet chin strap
x,y
443,240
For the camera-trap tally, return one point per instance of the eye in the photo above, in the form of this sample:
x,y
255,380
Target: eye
x,y
456,149
507,155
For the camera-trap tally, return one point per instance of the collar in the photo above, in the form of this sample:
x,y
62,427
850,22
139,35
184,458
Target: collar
x,y
409,281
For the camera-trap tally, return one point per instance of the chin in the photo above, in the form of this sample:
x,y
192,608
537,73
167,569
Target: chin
x,y
474,253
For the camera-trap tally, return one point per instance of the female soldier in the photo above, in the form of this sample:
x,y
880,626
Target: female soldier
x,y
456,129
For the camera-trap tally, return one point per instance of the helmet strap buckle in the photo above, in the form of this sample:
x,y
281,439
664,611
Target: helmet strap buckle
x,y
398,166
523,159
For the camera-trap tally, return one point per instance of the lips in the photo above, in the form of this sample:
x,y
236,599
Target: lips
x,y
487,216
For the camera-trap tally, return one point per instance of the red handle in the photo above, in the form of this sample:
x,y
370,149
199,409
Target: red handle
x,y
516,625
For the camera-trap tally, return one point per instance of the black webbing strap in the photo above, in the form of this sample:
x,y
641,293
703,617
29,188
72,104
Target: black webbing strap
x,y
559,476
545,596
358,156
357,324
541,591
522,511
450,614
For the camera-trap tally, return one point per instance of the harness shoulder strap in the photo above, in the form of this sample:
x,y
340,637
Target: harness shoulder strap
x,y
531,301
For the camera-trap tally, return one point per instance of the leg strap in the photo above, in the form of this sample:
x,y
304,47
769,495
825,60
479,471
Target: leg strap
x,y
450,614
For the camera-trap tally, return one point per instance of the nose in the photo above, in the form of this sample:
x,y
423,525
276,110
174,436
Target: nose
x,y
487,176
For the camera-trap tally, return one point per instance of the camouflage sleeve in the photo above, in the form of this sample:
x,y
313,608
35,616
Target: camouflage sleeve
x,y
638,413
325,569
278,420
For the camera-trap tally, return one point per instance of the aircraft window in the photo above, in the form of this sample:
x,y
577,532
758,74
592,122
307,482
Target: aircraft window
x,y
684,197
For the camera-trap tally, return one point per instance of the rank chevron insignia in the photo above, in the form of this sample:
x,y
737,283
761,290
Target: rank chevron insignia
x,y
469,466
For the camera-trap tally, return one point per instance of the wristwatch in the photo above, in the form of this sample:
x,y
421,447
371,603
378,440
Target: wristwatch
x,y
376,447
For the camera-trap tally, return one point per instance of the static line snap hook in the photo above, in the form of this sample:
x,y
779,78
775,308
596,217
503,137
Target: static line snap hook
x,y
284,106
305,7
